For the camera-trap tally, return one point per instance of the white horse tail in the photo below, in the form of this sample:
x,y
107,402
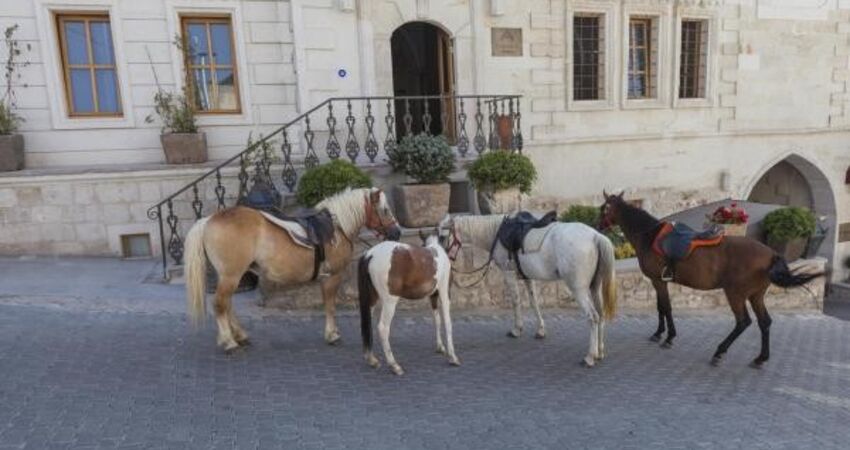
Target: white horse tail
x,y
605,271
195,271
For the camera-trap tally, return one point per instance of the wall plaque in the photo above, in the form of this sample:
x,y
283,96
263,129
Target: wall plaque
x,y
506,41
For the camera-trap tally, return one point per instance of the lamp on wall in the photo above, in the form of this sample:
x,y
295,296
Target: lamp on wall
x,y
847,176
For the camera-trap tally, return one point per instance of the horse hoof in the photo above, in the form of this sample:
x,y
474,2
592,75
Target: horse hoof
x,y
396,369
668,344
715,361
373,362
588,362
231,349
757,364
514,334
333,339
540,335
441,350
655,338
245,342
454,362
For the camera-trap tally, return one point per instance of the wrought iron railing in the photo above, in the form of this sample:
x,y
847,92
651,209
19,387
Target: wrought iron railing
x,y
472,123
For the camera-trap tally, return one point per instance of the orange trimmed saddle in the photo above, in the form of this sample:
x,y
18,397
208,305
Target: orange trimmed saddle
x,y
676,241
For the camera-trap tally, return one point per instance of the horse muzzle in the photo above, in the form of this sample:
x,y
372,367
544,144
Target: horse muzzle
x,y
392,233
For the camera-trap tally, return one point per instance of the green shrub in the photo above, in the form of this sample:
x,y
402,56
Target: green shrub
x,y
589,215
9,119
426,159
175,111
325,180
501,170
785,224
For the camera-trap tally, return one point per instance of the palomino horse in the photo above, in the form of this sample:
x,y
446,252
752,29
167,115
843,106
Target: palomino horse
x,y
575,253
239,238
393,270
744,268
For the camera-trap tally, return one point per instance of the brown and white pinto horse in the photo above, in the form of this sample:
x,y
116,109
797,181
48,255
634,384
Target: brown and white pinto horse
x,y
391,271
744,268
239,238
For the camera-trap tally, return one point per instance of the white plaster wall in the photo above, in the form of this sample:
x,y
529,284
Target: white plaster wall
x,y
264,47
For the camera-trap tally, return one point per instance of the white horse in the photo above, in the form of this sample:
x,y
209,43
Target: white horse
x,y
573,252
393,270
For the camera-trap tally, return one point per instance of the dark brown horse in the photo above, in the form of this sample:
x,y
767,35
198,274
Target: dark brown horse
x,y
744,268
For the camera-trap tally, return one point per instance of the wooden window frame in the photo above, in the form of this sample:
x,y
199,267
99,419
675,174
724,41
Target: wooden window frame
x,y
188,67
609,15
601,55
86,17
695,64
647,74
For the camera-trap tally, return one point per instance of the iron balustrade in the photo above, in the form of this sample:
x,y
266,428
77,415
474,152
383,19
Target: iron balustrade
x,y
473,124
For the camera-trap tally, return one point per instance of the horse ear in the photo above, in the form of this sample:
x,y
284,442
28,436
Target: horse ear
x,y
605,195
621,194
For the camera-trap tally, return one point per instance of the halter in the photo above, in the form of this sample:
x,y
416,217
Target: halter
x,y
484,266
372,216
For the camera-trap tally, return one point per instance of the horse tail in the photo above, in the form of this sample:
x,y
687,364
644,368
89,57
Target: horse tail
x,y
196,271
366,289
781,275
605,271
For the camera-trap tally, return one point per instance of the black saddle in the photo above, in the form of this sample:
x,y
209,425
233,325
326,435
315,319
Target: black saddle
x,y
513,230
318,224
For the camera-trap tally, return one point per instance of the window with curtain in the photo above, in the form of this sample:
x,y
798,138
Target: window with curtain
x,y
211,64
692,59
88,62
642,58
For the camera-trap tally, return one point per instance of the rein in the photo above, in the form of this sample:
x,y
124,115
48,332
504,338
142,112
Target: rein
x,y
485,267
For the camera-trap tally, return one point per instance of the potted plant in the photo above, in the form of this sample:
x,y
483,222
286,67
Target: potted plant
x,y
732,218
501,177
788,230
325,180
11,143
180,138
589,215
428,161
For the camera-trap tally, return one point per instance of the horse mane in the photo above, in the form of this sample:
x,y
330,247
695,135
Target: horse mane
x,y
347,208
479,229
636,219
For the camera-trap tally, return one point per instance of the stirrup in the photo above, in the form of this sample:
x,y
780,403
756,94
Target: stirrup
x,y
667,274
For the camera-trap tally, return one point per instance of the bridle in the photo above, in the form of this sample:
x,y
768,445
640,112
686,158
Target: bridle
x,y
372,216
452,252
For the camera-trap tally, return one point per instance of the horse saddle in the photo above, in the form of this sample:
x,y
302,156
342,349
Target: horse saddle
x,y
676,240
513,230
308,227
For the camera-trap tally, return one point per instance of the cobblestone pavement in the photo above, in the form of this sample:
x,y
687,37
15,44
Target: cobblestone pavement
x,y
77,375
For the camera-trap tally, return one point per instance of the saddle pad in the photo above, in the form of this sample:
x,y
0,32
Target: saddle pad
x,y
295,231
667,228
534,239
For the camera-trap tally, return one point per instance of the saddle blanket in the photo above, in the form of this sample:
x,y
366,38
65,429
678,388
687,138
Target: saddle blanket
x,y
676,241
534,239
295,230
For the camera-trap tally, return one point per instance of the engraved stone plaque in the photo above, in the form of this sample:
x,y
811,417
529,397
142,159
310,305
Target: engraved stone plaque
x,y
507,41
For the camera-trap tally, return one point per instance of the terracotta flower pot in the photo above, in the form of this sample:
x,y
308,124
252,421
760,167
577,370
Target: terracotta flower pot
x,y
184,148
505,129
422,205
11,152
504,201
734,229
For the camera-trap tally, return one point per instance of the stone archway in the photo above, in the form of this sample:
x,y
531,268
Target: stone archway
x,y
796,181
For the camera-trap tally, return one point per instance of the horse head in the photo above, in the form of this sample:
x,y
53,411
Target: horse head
x,y
379,216
608,211
449,237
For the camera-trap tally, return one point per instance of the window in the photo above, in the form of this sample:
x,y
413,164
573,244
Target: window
x,y
642,58
588,57
692,60
211,64
88,63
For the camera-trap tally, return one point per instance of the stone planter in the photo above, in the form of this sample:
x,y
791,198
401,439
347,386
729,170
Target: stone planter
x,y
421,205
11,152
790,250
184,148
738,229
505,201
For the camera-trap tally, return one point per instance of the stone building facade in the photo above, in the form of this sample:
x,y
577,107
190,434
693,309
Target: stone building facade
x,y
678,102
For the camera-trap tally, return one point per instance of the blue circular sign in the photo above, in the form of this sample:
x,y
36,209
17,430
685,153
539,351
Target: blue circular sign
x,y
342,73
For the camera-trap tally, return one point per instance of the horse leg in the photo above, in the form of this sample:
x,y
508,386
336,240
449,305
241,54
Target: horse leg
x,y
330,286
447,323
596,296
531,288
223,294
742,321
764,321
583,298
435,303
388,304
238,332
512,289
665,313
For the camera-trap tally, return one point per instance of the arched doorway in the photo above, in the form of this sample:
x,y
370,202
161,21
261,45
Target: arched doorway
x,y
423,64
795,181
